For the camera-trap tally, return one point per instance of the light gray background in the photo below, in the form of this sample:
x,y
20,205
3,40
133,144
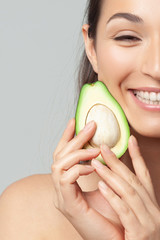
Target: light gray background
x,y
39,44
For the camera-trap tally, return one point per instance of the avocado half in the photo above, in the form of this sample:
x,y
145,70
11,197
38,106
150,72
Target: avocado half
x,y
96,103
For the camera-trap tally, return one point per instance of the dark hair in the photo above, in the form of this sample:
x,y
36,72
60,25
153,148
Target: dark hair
x,y
86,73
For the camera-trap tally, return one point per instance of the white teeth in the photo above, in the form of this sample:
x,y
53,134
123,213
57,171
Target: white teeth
x,y
158,97
153,96
148,97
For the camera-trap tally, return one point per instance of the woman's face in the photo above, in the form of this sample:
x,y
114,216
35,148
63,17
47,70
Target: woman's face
x,y
127,53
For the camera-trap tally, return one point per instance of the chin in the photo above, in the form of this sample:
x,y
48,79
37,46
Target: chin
x,y
146,131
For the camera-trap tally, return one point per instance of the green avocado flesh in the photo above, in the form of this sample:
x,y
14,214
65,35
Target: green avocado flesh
x,y
96,103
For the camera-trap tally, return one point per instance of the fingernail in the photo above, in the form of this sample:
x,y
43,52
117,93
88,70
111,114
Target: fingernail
x,y
93,150
106,149
88,126
133,140
70,122
97,164
89,167
102,185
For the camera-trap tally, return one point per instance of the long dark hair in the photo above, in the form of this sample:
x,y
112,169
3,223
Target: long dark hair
x,y
86,73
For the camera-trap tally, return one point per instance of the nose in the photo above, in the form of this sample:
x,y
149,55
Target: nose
x,y
151,59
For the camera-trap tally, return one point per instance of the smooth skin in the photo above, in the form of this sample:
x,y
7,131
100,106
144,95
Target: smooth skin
x,y
119,201
130,195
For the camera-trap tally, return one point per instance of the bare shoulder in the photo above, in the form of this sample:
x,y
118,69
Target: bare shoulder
x,y
28,212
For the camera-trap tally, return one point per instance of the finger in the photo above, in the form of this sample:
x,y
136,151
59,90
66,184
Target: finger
x,y
122,189
75,157
69,188
80,140
78,210
58,167
66,187
75,206
140,167
125,173
68,134
125,213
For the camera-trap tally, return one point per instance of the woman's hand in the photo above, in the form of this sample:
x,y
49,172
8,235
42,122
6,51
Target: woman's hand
x,y
70,199
130,195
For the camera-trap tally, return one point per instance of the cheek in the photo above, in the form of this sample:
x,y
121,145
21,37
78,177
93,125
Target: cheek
x,y
115,63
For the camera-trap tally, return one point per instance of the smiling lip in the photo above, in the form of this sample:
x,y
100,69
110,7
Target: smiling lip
x,y
147,89
145,106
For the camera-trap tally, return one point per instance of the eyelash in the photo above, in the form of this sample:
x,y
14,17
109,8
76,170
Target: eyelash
x,y
128,38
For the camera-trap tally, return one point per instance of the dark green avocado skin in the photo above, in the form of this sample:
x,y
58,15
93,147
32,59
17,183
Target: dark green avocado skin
x,y
97,93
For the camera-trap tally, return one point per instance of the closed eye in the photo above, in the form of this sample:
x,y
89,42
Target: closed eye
x,y
128,38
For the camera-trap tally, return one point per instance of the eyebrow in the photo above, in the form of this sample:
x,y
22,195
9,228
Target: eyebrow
x,y
129,16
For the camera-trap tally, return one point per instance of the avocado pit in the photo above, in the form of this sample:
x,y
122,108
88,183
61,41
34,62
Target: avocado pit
x,y
108,130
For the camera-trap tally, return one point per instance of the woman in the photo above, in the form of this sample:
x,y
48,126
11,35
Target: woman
x,y
122,42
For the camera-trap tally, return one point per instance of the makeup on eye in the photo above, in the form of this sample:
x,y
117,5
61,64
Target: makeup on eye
x,y
128,38
125,33
121,29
